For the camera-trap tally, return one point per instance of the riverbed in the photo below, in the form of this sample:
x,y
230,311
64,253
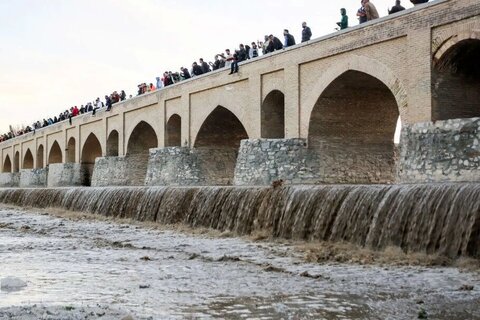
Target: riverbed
x,y
89,269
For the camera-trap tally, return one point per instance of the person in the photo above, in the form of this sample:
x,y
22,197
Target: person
x,y
205,67
123,95
241,53
185,74
216,64
274,44
265,45
75,111
396,8
306,32
196,69
108,103
361,14
152,87
234,65
99,104
370,10
289,39
159,83
253,52
228,58
343,24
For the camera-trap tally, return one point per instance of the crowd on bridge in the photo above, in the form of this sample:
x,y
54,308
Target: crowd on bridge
x,y
229,59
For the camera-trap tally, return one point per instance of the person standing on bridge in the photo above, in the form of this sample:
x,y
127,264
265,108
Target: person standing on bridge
x,y
343,24
289,39
306,32
370,10
396,8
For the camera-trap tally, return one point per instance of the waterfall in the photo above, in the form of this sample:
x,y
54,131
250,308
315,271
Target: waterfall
x,y
438,218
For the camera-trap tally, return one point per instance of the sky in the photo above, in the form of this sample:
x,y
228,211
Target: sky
x,y
56,54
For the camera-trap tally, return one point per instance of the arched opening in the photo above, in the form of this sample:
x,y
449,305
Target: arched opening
x,y
16,162
55,155
92,149
40,157
112,144
28,160
456,82
71,150
352,128
7,165
142,139
218,141
273,116
173,132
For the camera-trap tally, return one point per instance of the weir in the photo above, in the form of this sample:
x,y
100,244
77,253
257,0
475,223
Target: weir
x,y
434,219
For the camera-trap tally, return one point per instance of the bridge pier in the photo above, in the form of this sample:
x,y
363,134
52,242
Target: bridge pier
x,y
441,151
9,180
191,166
263,161
66,175
31,178
120,171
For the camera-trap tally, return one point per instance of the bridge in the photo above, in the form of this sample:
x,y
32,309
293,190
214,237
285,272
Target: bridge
x,y
324,111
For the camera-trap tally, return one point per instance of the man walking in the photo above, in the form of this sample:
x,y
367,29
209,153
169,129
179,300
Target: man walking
x,y
306,32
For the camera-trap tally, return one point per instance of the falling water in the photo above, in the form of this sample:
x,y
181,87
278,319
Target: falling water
x,y
443,218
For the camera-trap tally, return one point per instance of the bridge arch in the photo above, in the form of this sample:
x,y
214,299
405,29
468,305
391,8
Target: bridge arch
x,y
16,162
173,131
217,144
55,155
7,165
28,160
112,144
40,152
71,148
273,115
362,64
91,150
352,127
142,139
221,129
456,78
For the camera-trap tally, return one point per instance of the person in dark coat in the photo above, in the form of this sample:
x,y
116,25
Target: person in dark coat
x,y
185,74
289,39
274,44
306,32
205,66
396,8
242,54
196,69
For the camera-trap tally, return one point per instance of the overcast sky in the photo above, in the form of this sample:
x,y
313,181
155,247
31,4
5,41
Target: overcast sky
x,y
59,53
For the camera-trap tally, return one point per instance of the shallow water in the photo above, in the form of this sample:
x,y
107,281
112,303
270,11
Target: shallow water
x,y
99,264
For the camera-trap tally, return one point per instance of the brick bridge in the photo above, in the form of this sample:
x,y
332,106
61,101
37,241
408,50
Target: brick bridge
x,y
321,112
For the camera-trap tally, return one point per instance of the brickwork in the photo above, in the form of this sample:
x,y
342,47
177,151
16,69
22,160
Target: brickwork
x,y
400,51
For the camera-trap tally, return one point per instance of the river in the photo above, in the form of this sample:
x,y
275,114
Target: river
x,y
88,268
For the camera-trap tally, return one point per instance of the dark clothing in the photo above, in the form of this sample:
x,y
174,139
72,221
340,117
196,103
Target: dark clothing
x,y
216,65
205,67
306,34
186,74
290,40
275,44
396,9
241,55
197,70
108,103
343,24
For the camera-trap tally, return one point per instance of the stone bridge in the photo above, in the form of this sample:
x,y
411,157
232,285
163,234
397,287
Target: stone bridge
x,y
325,111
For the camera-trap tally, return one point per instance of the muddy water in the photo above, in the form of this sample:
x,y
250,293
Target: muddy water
x,y
119,269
